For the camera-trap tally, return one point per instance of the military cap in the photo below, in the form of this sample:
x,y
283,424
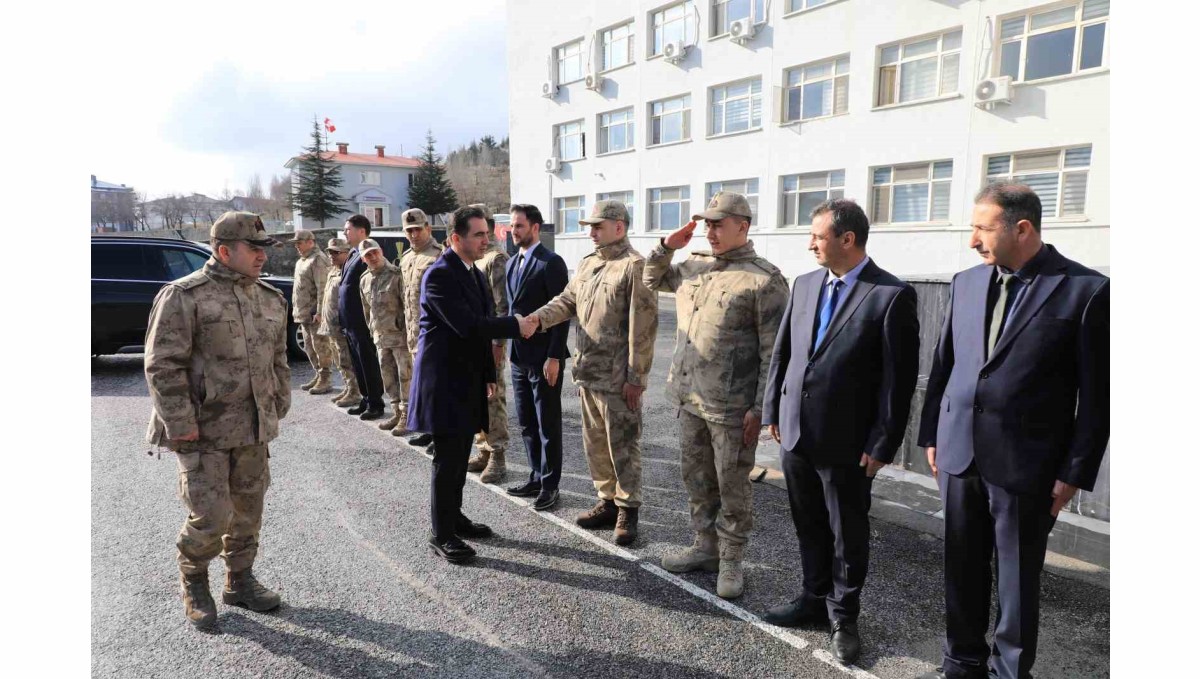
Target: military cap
x,y
725,204
367,245
487,213
414,217
302,234
607,209
337,245
245,226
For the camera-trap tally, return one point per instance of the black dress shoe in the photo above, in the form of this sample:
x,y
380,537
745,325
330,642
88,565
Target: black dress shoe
x,y
546,500
844,643
358,409
467,528
531,489
452,550
372,413
421,440
799,611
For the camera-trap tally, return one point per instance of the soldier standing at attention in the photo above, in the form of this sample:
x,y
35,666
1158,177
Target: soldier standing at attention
x,y
618,316
308,285
382,293
423,251
493,443
339,251
216,365
728,303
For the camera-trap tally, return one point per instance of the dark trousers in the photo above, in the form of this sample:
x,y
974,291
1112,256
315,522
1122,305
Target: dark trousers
x,y
982,519
830,505
366,365
539,410
446,485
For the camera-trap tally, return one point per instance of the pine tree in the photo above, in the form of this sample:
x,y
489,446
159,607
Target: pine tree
x,y
431,190
317,178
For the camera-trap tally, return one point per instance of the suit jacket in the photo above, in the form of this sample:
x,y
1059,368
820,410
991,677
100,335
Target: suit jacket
x,y
454,362
851,395
1036,410
544,278
350,307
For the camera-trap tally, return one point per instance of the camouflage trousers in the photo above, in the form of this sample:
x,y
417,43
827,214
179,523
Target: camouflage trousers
x,y
396,365
223,491
716,471
496,437
612,442
342,354
318,348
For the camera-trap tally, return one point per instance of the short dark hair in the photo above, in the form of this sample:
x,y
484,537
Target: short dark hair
x,y
1017,201
360,222
847,216
462,216
532,214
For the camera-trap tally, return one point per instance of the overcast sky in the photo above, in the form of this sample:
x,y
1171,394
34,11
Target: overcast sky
x,y
204,100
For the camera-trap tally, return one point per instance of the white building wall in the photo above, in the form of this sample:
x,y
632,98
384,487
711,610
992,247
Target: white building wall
x,y
1050,113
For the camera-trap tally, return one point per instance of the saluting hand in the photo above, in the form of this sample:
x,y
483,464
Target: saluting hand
x,y
681,236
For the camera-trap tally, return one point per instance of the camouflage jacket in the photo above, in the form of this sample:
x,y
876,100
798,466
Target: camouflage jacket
x,y
330,321
308,284
383,299
216,361
413,265
618,317
728,309
493,265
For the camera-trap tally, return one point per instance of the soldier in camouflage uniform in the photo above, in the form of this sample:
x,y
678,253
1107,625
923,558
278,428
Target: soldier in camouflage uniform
x,y
308,284
728,303
216,366
424,251
382,290
618,316
339,252
493,443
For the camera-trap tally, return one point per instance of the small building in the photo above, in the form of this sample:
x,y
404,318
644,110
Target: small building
x,y
112,207
373,184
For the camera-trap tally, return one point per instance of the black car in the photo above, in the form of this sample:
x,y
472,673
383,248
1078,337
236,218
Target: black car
x,y
127,274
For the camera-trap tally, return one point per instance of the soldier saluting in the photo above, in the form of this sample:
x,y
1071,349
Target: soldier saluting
x,y
216,365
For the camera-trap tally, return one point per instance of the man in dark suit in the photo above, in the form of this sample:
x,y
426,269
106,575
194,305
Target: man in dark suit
x,y
1015,422
534,277
354,324
837,399
453,375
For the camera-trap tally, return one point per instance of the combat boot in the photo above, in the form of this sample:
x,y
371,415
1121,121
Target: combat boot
x,y
352,397
341,394
198,604
323,385
603,515
495,470
702,555
479,461
730,581
401,427
394,420
309,384
626,530
243,589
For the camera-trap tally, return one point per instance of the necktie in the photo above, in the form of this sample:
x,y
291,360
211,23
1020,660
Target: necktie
x,y
827,310
998,312
520,271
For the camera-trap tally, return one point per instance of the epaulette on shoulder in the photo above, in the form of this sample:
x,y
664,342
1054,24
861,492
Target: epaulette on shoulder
x,y
192,280
270,287
767,267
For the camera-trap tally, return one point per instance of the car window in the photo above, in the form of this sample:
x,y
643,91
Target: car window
x,y
124,262
180,263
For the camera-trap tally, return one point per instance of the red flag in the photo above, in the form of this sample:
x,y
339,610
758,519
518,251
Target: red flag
x,y
329,127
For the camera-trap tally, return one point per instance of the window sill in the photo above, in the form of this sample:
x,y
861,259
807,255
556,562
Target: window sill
x,y
615,153
570,82
572,160
734,134
616,68
806,10
668,143
573,235
803,121
944,97
1059,78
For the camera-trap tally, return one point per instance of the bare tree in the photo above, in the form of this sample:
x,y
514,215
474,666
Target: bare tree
x,y
255,190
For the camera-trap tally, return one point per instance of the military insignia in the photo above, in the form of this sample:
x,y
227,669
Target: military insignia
x,y
258,225
412,219
713,202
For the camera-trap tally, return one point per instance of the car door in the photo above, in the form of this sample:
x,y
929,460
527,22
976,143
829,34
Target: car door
x,y
125,279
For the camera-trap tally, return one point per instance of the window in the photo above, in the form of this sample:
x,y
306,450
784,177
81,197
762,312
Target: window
x,y
818,90
370,178
746,187
736,107
911,193
669,208
673,24
1058,177
570,211
180,263
411,178
623,196
671,120
725,12
125,263
803,192
616,131
568,140
1061,41
618,46
919,69
797,5
570,62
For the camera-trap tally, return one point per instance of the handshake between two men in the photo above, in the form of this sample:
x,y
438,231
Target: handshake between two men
x,y
529,325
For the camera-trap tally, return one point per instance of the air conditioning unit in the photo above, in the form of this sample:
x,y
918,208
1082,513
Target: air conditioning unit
x,y
549,89
674,52
553,165
593,82
742,30
994,91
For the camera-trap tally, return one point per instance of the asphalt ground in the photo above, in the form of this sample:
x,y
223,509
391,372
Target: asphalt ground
x,y
344,542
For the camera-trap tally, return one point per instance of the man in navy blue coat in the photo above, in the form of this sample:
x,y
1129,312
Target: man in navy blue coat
x,y
1015,422
534,277
363,357
453,374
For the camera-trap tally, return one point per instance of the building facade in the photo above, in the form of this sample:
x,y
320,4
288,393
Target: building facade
x,y
373,184
907,106
113,207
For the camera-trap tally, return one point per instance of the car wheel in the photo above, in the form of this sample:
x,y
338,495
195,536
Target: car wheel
x,y
295,342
